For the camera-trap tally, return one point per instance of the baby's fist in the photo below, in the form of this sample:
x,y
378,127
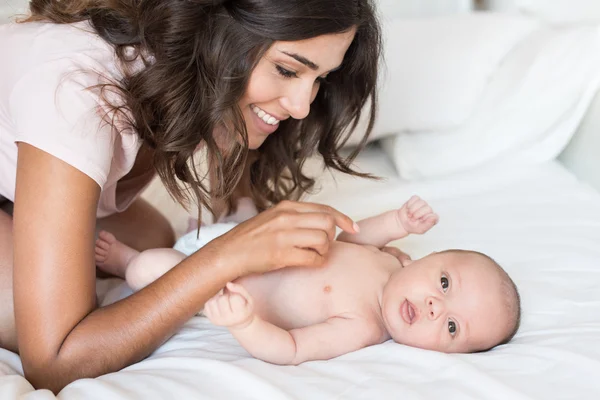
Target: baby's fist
x,y
232,308
416,216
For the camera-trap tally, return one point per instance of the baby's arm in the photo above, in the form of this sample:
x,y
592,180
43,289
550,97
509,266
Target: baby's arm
x,y
265,341
415,216
332,338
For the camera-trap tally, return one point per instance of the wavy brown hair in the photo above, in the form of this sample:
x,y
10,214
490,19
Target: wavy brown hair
x,y
198,57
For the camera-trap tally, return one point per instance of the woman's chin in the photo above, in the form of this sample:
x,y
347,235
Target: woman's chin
x,y
255,142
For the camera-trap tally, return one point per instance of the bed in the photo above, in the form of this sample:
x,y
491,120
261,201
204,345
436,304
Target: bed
x,y
524,200
540,222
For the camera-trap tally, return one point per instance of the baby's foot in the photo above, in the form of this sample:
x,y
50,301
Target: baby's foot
x,y
113,256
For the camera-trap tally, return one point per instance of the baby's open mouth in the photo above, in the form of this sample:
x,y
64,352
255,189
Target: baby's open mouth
x,y
407,310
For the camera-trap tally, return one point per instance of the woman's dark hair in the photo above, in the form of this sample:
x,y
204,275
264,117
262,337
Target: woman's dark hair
x,y
198,57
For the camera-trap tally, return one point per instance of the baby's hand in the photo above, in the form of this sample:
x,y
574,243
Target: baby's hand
x,y
416,216
232,308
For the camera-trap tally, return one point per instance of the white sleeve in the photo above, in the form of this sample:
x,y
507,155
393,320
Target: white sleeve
x,y
54,110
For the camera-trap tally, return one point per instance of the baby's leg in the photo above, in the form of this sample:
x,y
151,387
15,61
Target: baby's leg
x,y
149,265
112,256
139,269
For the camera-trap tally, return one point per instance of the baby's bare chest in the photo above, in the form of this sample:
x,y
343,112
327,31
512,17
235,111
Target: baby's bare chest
x,y
297,297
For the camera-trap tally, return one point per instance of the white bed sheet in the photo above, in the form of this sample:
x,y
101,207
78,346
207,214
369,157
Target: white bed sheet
x,y
539,222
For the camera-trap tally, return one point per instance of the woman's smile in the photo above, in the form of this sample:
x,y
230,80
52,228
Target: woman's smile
x,y
263,121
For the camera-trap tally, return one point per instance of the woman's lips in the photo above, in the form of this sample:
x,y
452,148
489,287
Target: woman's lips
x,y
262,125
408,312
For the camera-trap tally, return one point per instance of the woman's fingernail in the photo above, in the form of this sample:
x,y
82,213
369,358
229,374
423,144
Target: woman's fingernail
x,y
356,227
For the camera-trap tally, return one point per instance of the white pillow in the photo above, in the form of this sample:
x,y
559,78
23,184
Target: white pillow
x,y
562,11
436,68
528,112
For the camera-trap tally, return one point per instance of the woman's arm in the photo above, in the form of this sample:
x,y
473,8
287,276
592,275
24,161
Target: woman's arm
x,y
62,336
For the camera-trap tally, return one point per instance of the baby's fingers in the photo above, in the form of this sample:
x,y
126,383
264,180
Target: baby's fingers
x,y
238,304
412,201
240,290
422,212
416,205
211,311
224,304
431,219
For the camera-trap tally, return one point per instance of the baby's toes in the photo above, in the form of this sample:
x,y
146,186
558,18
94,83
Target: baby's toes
x,y
100,254
105,239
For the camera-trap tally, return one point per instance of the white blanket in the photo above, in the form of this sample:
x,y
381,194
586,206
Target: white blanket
x,y
539,222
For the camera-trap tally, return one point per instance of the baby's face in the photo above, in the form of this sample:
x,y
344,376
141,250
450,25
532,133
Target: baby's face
x,y
449,302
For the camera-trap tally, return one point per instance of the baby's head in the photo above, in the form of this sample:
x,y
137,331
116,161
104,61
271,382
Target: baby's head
x,y
454,301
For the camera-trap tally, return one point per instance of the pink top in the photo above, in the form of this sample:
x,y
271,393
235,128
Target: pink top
x,y
44,73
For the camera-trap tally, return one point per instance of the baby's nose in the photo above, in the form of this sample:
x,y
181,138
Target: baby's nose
x,y
435,307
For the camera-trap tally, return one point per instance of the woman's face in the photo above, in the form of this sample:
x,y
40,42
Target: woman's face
x,y
286,81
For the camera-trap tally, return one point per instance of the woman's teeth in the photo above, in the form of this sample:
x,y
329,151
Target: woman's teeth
x,y
264,116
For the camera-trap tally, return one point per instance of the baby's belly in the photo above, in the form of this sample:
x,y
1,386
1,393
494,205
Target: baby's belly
x,y
294,299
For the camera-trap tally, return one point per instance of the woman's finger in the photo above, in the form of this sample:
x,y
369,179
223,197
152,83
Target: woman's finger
x,y
341,220
310,239
311,220
303,258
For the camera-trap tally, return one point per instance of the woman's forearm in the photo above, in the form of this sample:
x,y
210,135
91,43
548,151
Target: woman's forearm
x,y
113,337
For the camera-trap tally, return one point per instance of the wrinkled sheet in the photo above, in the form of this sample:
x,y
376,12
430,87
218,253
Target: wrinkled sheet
x,y
539,222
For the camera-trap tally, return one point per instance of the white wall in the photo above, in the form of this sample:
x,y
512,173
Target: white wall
x,y
8,8
388,8
413,8
499,5
581,156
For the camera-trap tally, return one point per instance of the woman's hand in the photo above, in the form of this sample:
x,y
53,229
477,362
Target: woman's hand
x,y
289,234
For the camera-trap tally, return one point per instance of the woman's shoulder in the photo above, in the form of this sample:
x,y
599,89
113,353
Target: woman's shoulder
x,y
29,46
48,38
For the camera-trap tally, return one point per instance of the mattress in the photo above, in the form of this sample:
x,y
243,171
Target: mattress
x,y
539,222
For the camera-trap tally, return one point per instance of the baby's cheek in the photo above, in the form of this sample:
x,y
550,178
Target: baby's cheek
x,y
424,338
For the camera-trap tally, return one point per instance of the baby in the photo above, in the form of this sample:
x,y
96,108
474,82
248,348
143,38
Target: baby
x,y
450,301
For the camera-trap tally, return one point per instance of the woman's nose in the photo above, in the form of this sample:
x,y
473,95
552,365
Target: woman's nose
x,y
435,307
297,101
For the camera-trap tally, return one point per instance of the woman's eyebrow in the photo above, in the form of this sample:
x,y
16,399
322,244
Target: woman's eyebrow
x,y
302,60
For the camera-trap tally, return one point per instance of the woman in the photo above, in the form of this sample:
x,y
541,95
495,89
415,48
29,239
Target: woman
x,y
98,96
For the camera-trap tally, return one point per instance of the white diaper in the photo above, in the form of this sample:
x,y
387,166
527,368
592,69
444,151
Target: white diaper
x,y
190,242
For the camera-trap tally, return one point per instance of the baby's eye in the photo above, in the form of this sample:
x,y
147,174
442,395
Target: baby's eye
x,y
451,327
445,283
